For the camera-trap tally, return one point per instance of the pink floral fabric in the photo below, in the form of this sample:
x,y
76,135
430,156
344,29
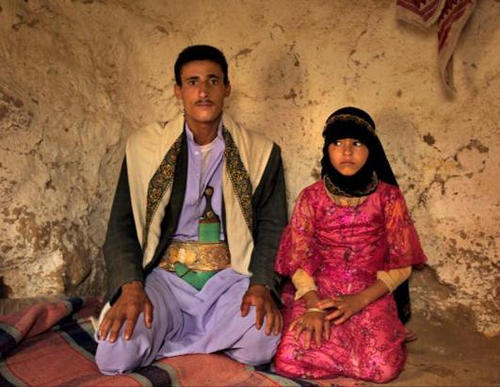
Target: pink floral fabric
x,y
342,248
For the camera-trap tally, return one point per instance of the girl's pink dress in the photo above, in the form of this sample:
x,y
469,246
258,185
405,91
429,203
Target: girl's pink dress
x,y
342,248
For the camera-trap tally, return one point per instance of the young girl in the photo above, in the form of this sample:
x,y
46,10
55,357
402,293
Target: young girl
x,y
349,244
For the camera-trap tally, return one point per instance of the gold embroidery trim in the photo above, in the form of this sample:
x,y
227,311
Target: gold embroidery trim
x,y
349,117
340,200
159,184
239,177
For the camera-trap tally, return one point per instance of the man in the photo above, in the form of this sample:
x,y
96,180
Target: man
x,y
173,291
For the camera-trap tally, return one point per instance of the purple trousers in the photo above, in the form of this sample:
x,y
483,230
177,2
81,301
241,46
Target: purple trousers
x,y
189,321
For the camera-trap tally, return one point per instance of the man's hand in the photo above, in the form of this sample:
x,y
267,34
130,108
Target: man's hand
x,y
260,297
132,301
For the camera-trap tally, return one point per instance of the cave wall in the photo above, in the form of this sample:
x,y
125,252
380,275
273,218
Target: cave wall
x,y
76,77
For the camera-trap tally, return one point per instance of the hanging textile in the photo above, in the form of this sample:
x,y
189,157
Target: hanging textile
x,y
451,17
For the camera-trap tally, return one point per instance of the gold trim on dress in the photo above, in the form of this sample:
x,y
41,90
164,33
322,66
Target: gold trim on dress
x,y
336,191
341,200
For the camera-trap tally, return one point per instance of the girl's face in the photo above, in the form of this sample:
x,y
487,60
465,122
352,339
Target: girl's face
x,y
348,155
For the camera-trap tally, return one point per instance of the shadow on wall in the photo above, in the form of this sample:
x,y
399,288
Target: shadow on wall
x,y
476,38
408,151
4,289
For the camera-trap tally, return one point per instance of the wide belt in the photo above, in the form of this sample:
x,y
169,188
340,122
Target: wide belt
x,y
196,262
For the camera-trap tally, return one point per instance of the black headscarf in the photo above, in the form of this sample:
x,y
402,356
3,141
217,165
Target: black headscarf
x,y
351,122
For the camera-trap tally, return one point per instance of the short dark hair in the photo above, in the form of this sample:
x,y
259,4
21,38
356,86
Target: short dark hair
x,y
200,52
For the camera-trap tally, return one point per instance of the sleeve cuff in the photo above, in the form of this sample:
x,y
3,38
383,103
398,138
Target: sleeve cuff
x,y
303,283
395,277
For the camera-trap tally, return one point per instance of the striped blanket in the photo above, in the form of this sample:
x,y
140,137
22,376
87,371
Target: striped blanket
x,y
51,343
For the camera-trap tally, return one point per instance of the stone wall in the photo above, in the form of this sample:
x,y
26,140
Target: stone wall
x,y
77,76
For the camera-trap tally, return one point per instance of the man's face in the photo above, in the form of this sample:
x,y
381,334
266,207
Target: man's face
x,y
202,91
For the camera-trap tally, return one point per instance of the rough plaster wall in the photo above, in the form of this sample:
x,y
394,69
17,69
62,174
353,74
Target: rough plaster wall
x,y
76,77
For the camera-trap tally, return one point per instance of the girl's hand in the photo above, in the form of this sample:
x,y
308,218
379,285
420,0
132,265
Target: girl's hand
x,y
345,307
312,322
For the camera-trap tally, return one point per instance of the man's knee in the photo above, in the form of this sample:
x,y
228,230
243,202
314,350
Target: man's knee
x,y
120,357
257,347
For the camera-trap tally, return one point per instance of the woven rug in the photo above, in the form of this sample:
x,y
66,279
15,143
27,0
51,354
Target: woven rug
x,y
50,343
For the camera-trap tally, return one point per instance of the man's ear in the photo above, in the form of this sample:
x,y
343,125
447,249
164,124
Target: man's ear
x,y
227,93
177,91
